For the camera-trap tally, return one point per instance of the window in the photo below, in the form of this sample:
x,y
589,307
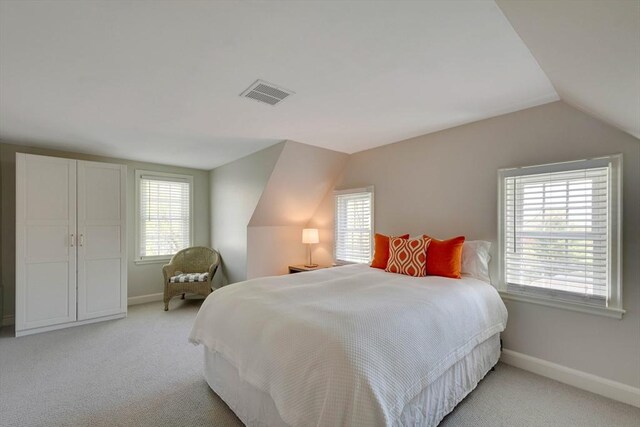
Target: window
x,y
164,216
560,234
353,225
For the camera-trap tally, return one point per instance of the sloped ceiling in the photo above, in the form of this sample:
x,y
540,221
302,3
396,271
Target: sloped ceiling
x,y
590,50
300,180
159,81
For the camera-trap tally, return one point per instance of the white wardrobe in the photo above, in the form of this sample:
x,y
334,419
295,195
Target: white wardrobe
x,y
71,264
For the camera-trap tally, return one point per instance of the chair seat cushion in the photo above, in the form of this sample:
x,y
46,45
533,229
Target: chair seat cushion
x,y
189,277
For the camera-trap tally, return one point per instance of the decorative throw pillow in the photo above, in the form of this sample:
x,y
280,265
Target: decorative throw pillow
x,y
408,256
445,257
381,250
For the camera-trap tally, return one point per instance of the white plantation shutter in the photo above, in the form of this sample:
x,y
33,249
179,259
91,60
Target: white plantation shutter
x,y
558,225
164,214
353,225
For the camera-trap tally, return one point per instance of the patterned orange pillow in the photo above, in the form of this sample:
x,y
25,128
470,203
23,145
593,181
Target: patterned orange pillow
x,y
408,256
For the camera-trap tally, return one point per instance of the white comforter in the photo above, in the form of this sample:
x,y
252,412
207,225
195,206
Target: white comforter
x,y
347,345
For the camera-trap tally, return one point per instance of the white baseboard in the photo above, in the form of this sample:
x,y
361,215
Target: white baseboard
x,y
143,299
593,383
8,320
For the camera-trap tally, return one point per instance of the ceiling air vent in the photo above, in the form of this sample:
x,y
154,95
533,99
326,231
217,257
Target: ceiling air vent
x,y
266,92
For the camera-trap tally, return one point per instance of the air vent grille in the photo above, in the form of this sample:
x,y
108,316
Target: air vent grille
x,y
266,92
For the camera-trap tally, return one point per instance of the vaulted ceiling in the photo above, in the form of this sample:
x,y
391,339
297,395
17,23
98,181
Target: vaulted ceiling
x,y
590,50
160,81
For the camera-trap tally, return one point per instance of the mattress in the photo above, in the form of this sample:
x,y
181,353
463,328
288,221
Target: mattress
x,y
256,408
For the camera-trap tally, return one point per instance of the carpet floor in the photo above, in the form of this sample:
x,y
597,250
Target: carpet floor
x,y
141,371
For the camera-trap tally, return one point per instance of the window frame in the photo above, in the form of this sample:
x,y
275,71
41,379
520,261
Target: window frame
x,y
613,307
161,176
369,189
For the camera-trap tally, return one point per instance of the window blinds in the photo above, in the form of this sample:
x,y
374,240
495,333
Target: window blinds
x,y
353,226
556,234
164,216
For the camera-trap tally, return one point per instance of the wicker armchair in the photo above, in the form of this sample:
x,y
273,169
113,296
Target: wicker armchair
x,y
190,270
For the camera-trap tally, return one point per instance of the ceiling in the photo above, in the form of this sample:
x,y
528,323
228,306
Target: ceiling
x,y
590,50
160,81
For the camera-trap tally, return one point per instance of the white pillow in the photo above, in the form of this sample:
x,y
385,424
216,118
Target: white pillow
x,y
475,259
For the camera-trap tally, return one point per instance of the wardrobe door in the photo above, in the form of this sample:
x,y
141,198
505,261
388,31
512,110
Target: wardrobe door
x,y
45,247
102,269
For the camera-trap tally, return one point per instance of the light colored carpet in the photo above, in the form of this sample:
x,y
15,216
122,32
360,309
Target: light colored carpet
x,y
141,371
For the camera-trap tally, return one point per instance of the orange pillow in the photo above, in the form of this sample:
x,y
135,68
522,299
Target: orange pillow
x,y
444,257
381,250
408,256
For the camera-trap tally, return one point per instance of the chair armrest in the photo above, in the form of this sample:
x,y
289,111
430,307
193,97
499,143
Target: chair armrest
x,y
212,270
168,270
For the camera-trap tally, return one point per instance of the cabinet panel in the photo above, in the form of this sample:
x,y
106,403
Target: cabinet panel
x,y
47,192
47,293
102,201
101,294
101,241
47,243
45,256
102,244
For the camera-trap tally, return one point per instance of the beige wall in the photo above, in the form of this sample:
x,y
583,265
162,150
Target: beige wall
x,y
272,249
236,189
445,184
143,279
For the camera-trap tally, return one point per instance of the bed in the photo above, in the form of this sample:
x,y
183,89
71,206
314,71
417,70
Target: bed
x,y
349,345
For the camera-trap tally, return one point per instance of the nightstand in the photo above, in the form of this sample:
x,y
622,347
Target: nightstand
x,y
300,268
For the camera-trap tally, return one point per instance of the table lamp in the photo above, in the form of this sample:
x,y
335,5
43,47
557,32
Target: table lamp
x,y
310,237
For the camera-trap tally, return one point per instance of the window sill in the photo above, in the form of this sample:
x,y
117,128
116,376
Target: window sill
x,y
152,261
614,313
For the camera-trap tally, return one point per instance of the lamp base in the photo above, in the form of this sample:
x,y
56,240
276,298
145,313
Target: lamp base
x,y
311,265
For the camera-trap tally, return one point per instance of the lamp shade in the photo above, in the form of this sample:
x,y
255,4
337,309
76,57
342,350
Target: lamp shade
x,y
310,235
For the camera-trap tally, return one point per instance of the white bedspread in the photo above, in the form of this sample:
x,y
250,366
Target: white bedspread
x,y
347,345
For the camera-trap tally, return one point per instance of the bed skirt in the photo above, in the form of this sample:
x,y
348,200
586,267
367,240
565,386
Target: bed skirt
x,y
255,407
